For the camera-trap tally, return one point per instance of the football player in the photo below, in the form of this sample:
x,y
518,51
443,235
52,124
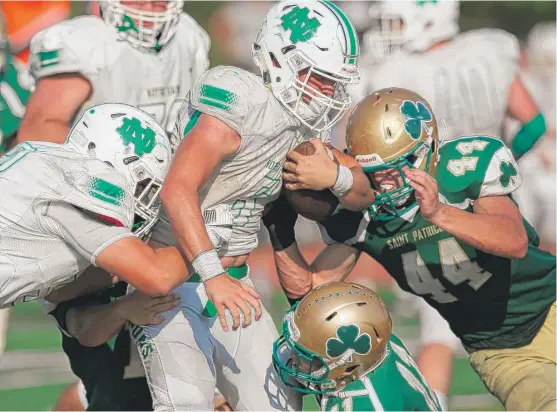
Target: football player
x,y
143,53
85,202
340,347
445,226
236,130
471,79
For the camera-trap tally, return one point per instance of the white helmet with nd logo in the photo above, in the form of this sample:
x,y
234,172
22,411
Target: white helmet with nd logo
x,y
148,24
134,144
305,40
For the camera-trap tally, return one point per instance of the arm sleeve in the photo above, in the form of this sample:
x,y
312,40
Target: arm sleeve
x,y
87,233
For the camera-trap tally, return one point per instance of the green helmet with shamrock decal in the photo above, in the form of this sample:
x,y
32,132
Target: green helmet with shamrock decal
x,y
333,336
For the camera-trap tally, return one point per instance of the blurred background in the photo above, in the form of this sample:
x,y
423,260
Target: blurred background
x,y
34,370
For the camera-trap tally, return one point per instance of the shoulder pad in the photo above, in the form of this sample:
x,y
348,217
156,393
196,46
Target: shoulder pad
x,y
99,189
226,93
476,166
72,46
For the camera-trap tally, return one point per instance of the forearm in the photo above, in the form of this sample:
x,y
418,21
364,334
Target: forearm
x,y
333,264
293,271
48,130
492,233
95,325
360,196
188,225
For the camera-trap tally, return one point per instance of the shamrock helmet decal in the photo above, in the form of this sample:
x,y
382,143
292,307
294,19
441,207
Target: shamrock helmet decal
x,y
417,114
348,338
337,333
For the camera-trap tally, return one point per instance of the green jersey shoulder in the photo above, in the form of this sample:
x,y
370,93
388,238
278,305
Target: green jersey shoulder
x,y
474,167
396,385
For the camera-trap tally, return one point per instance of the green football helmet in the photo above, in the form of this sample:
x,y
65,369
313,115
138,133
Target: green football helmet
x,y
389,130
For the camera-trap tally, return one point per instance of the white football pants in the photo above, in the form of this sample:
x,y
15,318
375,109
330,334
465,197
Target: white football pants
x,y
188,355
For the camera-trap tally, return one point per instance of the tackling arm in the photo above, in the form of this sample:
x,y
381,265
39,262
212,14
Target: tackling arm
x,y
495,226
50,122
153,272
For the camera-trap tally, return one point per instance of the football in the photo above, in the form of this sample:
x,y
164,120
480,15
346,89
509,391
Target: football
x,y
316,205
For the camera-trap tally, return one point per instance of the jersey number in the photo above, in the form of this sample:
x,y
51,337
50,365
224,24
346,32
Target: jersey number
x,y
458,167
457,268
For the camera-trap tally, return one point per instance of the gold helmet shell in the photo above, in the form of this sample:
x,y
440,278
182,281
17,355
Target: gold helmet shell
x,y
334,336
393,128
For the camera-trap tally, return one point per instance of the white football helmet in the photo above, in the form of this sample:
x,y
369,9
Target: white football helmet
x,y
410,26
313,36
133,143
148,29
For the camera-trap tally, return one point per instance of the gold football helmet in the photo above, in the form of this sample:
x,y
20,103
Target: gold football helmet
x,y
332,337
391,129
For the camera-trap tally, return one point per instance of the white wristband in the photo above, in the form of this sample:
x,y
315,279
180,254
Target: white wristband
x,y
207,265
344,181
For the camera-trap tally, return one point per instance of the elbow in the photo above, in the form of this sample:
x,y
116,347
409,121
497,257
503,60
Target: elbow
x,y
520,248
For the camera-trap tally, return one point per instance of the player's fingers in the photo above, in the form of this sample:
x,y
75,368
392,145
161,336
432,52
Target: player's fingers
x,y
222,316
318,144
255,304
290,166
233,309
420,190
290,177
246,311
163,307
155,320
250,290
295,156
294,186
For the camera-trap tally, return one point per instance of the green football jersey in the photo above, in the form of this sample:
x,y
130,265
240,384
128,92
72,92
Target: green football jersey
x,y
396,385
489,301
15,89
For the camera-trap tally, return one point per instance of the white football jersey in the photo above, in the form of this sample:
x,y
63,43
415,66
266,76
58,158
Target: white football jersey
x,y
156,82
233,198
59,210
466,82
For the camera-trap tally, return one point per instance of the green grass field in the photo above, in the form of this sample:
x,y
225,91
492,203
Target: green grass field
x,y
33,370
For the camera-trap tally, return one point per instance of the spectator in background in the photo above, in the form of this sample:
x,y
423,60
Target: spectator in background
x,y
25,18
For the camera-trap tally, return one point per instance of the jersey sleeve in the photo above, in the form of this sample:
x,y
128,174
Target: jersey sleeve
x,y
101,191
477,166
221,92
507,47
67,47
89,235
